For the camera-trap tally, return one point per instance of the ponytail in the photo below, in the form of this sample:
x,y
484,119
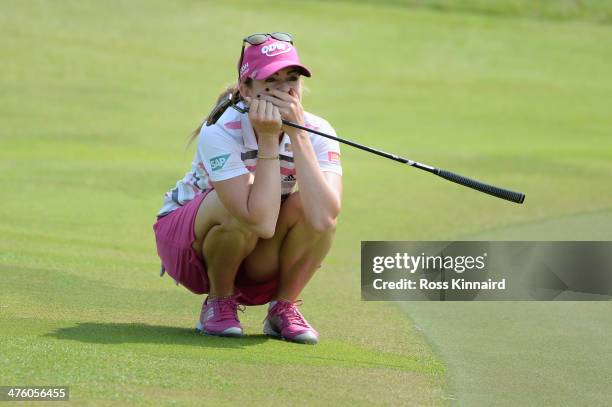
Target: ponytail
x,y
230,90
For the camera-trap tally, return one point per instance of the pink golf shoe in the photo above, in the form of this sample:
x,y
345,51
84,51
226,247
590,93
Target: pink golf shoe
x,y
285,321
220,317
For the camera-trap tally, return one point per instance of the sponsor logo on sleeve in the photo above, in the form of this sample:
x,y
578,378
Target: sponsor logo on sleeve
x,y
333,156
216,163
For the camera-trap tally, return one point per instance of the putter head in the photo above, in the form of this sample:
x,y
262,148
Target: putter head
x,y
220,108
240,109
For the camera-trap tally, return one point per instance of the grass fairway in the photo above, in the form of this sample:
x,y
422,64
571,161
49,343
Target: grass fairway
x,y
97,101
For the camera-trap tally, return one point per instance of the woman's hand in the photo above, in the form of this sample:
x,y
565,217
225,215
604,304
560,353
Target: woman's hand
x,y
265,118
289,106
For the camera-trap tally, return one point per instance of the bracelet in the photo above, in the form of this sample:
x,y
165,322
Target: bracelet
x,y
274,157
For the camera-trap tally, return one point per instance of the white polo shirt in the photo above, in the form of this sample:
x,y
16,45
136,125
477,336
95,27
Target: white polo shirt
x,y
228,149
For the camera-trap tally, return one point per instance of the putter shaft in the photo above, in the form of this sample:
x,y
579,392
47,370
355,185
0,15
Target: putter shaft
x,y
502,193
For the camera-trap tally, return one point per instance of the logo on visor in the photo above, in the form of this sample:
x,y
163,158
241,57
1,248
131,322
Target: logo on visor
x,y
245,66
276,48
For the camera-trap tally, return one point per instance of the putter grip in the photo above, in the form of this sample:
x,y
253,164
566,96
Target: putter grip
x,y
486,188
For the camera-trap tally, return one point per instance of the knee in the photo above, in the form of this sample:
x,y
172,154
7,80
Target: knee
x,y
229,224
235,226
325,226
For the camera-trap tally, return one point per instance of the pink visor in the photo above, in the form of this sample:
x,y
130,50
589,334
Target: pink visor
x,y
263,60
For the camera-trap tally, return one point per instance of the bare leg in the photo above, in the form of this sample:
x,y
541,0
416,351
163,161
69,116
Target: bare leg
x,y
222,243
296,251
302,253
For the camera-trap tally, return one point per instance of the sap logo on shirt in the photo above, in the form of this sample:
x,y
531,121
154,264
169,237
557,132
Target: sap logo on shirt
x,y
218,162
276,48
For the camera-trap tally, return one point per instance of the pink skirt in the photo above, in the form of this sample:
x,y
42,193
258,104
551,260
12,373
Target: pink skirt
x,y
174,234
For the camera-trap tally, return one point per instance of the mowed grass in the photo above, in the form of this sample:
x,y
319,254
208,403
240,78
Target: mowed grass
x,y
96,106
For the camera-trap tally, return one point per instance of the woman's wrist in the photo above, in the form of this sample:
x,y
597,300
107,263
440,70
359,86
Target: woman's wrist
x,y
268,144
267,150
299,139
297,134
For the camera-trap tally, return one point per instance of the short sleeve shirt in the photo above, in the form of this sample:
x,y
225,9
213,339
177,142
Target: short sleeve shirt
x,y
228,149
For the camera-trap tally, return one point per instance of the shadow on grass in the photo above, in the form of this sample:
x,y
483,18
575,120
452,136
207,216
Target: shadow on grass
x,y
115,333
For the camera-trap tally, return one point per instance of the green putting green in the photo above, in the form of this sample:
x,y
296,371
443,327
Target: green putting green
x,y
536,353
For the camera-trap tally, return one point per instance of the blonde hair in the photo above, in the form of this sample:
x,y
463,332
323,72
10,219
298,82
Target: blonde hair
x,y
229,90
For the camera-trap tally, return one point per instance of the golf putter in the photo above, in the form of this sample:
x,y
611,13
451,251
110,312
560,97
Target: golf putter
x,y
502,193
